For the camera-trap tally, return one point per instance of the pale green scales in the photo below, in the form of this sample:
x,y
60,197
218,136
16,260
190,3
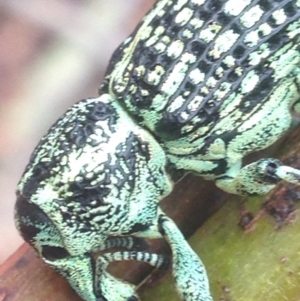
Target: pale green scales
x,y
196,87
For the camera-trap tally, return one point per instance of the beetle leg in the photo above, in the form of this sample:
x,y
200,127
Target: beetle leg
x,y
88,277
110,287
128,242
114,289
188,270
288,174
258,178
153,259
79,272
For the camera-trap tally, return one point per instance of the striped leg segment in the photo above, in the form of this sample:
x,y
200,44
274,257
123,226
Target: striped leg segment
x,y
127,242
115,289
155,260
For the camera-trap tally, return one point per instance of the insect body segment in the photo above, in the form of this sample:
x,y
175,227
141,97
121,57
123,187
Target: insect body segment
x,y
118,164
215,84
94,177
197,86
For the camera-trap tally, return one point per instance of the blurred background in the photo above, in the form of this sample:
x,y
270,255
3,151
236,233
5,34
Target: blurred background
x,y
52,54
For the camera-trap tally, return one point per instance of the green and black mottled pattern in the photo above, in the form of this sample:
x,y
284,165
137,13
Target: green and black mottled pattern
x,y
90,166
197,81
196,87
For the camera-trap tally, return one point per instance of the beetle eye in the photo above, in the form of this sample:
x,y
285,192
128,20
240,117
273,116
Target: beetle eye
x,y
54,253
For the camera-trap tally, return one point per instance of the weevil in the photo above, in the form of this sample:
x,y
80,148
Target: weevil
x,y
199,85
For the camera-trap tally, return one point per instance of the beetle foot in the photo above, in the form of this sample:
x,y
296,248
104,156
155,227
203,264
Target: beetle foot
x,y
288,174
